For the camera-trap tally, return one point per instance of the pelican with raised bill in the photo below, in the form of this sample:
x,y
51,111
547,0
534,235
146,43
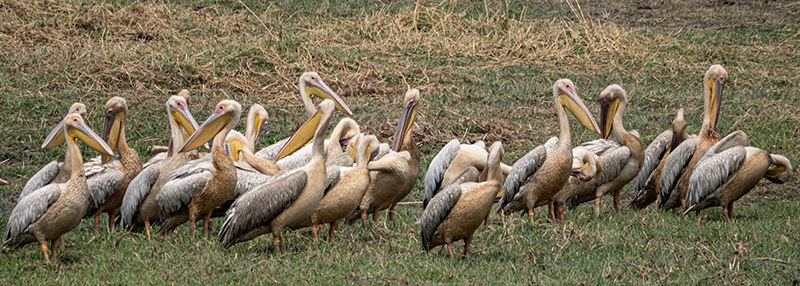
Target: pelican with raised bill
x,y
287,198
456,212
646,190
452,161
622,161
680,163
55,209
540,174
139,206
310,83
54,172
728,171
115,173
193,192
396,176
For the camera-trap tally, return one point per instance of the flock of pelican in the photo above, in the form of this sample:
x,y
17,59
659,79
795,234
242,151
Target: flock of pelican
x,y
293,184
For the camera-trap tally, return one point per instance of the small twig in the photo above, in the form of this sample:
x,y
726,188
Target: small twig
x,y
772,259
259,20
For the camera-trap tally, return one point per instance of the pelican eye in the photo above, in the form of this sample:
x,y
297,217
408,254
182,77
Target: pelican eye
x,y
220,108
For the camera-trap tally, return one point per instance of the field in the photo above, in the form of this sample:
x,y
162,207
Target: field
x,y
485,70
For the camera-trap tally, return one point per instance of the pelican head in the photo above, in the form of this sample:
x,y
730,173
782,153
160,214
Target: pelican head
x,y
493,161
584,164
410,103
566,96
311,84
56,136
353,144
179,113
234,143
257,120
714,81
76,128
345,130
367,144
116,110
610,99
308,130
678,128
225,117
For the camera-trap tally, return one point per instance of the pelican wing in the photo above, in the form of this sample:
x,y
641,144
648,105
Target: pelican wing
x,y
184,184
42,178
520,172
437,168
137,191
332,175
673,168
550,144
29,209
613,161
271,152
160,157
261,205
297,159
438,210
652,156
103,182
712,174
600,146
247,178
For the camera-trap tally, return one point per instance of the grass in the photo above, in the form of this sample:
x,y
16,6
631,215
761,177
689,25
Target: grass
x,y
485,74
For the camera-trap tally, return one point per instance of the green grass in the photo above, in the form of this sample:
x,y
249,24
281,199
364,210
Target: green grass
x,y
479,80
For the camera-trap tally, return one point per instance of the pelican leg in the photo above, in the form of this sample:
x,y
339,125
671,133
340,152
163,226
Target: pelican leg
x,y
391,213
332,232
467,246
597,205
730,211
53,247
726,211
616,201
97,222
207,223
375,215
44,252
314,230
530,214
559,211
364,218
147,228
111,219
276,242
551,207
683,203
450,248
192,224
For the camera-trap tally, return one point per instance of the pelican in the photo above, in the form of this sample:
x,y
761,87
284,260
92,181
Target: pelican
x,y
453,160
286,199
159,153
681,162
622,163
194,193
397,176
139,206
545,170
55,209
456,212
54,172
655,156
122,168
587,168
344,196
728,171
310,83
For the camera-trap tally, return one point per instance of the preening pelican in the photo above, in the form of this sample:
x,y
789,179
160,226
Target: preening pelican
x,y
310,83
453,160
397,176
655,156
728,171
620,163
192,193
286,199
139,206
544,171
681,162
122,168
456,212
344,196
587,169
49,212
54,172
